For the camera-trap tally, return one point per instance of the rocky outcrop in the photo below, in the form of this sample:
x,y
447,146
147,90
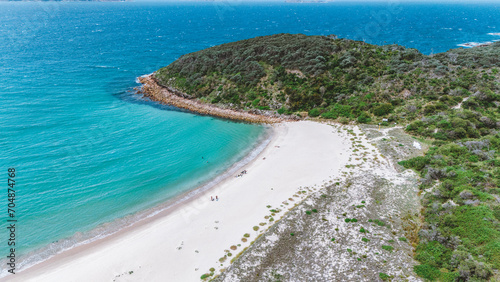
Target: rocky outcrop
x,y
166,95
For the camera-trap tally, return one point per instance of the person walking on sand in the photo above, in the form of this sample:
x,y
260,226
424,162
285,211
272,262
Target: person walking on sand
x,y
211,198
217,197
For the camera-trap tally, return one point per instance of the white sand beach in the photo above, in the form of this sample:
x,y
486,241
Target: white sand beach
x,y
188,240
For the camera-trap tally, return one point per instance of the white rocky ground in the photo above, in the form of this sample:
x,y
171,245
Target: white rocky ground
x,y
314,242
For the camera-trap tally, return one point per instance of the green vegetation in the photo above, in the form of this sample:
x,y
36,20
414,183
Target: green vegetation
x,y
205,276
383,276
335,78
379,222
352,81
388,248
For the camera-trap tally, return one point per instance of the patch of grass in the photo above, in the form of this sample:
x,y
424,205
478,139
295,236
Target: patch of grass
x,y
292,234
403,239
365,240
246,235
314,210
308,212
349,250
360,206
388,248
255,228
379,222
333,239
362,230
383,276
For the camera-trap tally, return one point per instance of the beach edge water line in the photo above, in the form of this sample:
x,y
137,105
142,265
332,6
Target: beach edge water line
x,y
123,224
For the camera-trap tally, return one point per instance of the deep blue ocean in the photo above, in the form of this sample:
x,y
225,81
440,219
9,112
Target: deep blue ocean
x,y
90,154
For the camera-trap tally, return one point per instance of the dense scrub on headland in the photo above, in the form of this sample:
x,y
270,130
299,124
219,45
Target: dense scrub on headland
x,y
450,98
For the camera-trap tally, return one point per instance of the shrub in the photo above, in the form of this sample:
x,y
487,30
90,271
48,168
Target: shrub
x,y
417,163
383,109
314,112
427,272
365,240
433,254
364,118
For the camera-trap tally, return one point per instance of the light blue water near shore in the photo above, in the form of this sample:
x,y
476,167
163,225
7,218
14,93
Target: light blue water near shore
x,y
87,151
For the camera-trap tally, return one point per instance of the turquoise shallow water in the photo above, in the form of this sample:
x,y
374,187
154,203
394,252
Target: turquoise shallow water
x,y
88,151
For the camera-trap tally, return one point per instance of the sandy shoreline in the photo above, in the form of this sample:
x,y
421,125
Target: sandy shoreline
x,y
185,241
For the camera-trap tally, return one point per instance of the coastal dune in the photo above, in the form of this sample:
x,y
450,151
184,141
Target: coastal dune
x,y
185,241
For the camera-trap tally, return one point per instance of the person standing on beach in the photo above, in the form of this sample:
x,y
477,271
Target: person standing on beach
x,y
217,197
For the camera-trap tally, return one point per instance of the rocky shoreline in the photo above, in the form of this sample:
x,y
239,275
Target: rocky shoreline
x,y
164,95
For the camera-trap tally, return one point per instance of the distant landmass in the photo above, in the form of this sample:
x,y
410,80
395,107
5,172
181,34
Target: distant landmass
x,y
307,1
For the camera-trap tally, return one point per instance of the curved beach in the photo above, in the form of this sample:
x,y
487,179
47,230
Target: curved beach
x,y
186,240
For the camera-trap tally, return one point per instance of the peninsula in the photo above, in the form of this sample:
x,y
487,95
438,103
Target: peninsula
x,y
451,100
